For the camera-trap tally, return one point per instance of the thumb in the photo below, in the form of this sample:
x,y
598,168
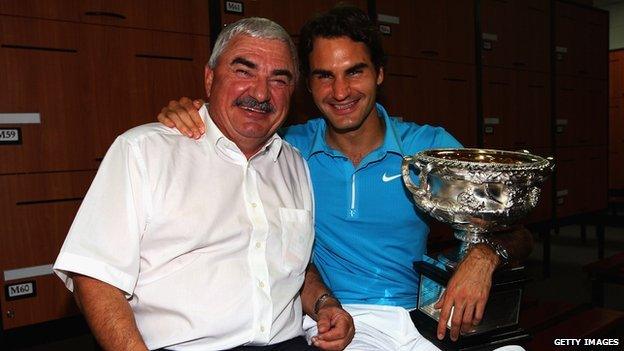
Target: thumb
x,y
440,302
198,103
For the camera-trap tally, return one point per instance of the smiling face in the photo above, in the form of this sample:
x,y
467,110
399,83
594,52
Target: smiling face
x,y
249,90
343,82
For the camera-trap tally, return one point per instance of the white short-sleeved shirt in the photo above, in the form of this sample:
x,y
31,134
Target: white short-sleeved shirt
x,y
209,247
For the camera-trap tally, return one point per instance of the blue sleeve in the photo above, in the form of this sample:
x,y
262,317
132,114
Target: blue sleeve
x,y
298,135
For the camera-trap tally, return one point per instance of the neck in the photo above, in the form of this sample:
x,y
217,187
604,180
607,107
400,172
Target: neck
x,y
358,143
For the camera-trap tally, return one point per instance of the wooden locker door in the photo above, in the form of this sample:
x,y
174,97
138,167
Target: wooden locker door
x,y
38,209
403,38
49,9
289,14
616,144
114,100
596,44
455,102
531,46
532,111
459,40
402,92
595,179
429,29
568,122
497,35
185,16
41,66
499,95
594,113
169,65
568,34
616,74
568,196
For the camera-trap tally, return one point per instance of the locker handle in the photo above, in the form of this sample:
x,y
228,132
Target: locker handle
x,y
163,57
105,14
38,48
429,52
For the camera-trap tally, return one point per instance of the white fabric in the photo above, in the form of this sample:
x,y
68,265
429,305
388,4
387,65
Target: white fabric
x,y
384,328
209,248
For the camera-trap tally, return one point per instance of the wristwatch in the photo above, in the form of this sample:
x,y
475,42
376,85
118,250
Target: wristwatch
x,y
499,249
321,300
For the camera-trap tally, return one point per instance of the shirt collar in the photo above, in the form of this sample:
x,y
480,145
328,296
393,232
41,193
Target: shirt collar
x,y
390,143
215,137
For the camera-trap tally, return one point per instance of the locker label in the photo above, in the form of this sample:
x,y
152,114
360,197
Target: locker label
x,y
10,136
385,29
20,290
234,7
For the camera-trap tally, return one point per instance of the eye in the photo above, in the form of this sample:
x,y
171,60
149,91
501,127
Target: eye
x,y
279,82
322,76
243,73
355,73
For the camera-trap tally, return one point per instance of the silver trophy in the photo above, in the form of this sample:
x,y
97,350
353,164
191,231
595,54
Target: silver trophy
x,y
478,192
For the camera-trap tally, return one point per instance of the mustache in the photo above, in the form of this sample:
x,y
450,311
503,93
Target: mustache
x,y
252,103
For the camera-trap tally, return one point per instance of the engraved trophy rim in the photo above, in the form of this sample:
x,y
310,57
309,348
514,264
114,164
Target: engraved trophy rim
x,y
522,160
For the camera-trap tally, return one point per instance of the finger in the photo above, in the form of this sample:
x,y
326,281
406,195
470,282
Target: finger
x,y
467,320
189,116
334,345
445,312
171,114
440,302
479,310
198,103
456,320
162,118
323,323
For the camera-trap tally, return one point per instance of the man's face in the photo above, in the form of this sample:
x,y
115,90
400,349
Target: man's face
x,y
343,81
249,89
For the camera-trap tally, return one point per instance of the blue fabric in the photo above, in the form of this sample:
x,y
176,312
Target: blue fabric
x,y
368,231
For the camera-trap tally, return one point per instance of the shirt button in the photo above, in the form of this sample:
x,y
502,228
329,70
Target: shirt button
x,y
258,245
254,205
261,285
262,328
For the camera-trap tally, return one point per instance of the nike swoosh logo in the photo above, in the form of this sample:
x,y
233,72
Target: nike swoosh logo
x,y
387,178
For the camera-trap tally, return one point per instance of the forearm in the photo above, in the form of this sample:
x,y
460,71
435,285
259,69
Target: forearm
x,y
108,313
313,288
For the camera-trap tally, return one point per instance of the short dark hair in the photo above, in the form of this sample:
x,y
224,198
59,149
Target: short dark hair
x,y
341,21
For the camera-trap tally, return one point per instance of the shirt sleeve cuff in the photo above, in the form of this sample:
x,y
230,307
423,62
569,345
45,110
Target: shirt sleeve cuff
x,y
68,263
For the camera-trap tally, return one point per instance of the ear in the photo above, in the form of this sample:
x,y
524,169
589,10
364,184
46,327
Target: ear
x,y
208,76
380,76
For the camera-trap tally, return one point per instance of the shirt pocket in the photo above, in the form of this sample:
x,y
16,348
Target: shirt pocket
x,y
297,238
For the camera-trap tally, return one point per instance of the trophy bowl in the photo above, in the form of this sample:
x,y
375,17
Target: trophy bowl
x,y
476,191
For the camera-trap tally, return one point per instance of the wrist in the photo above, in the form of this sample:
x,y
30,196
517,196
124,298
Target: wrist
x,y
485,254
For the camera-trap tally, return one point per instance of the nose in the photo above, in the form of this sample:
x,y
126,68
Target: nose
x,y
260,90
341,87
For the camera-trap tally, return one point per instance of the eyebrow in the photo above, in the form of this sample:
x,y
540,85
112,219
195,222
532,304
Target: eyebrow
x,y
276,72
356,67
243,61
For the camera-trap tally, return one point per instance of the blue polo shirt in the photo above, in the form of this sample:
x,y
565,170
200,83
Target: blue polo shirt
x,y
368,231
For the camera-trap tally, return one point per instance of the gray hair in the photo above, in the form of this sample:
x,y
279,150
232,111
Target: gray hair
x,y
255,27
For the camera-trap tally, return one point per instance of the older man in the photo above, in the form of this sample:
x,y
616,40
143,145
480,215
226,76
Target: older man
x,y
153,265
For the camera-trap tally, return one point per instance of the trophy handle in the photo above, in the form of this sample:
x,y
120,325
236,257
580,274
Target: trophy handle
x,y
418,191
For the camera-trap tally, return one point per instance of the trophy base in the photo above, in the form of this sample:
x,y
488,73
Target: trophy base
x,y
499,326
478,342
